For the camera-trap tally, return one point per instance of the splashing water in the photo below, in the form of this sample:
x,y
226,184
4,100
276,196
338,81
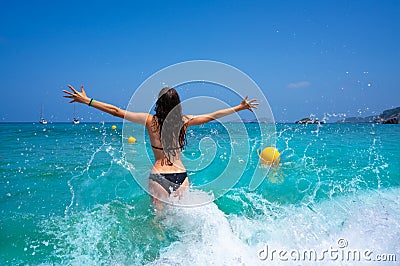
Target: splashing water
x,y
67,197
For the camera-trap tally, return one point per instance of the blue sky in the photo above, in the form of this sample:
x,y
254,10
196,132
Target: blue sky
x,y
308,57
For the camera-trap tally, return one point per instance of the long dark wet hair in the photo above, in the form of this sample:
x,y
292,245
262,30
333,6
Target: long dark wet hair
x,y
169,123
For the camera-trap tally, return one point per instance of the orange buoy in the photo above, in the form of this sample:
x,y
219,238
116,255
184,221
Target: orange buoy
x,y
270,156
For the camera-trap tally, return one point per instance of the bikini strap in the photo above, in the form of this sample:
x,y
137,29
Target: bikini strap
x,y
158,148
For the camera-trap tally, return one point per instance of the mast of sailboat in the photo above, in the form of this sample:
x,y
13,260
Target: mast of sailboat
x,y
42,120
75,120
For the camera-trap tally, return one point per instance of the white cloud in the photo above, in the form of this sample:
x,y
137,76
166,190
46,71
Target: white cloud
x,y
300,84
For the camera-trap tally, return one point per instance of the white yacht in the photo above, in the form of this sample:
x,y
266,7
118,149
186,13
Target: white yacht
x,y
75,120
42,120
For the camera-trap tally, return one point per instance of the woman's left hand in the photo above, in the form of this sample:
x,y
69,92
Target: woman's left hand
x,y
250,105
77,96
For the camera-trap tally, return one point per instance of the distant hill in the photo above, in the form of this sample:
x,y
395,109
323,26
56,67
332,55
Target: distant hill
x,y
391,116
390,113
308,120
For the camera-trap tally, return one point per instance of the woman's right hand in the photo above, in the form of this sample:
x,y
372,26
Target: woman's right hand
x,y
77,96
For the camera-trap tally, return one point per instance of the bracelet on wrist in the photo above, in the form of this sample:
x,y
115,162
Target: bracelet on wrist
x,y
91,102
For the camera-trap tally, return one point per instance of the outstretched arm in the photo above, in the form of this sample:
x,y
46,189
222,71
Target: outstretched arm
x,y
81,97
205,118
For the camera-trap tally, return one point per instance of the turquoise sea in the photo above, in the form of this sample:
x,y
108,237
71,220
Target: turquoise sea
x,y
67,196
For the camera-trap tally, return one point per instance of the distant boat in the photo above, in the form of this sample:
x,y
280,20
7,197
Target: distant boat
x,y
75,121
42,120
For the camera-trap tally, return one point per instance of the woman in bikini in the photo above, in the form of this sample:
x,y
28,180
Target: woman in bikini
x,y
167,131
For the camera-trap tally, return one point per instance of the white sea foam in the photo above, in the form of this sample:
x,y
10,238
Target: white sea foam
x,y
118,233
206,236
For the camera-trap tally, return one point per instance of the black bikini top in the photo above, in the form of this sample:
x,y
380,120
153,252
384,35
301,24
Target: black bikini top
x,y
175,148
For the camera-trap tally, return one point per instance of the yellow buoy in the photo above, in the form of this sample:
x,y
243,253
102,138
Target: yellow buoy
x,y
270,156
131,140
114,127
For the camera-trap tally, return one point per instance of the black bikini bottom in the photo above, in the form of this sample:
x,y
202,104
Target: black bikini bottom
x,y
170,180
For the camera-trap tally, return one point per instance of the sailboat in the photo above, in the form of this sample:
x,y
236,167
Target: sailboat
x,y
75,120
42,120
